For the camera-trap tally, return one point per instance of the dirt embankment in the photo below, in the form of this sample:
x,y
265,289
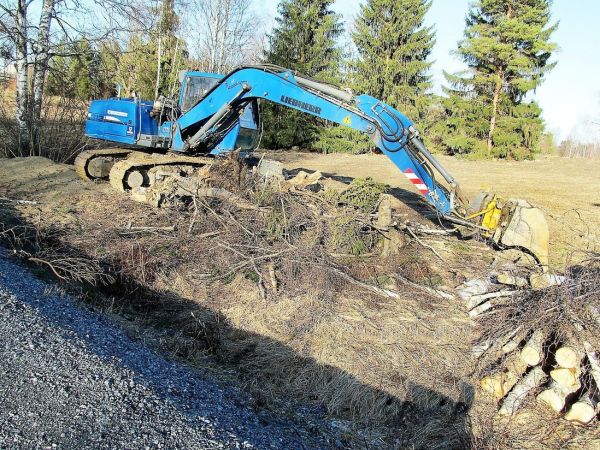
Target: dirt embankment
x,y
265,301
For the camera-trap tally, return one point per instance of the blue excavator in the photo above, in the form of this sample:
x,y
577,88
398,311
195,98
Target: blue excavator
x,y
216,114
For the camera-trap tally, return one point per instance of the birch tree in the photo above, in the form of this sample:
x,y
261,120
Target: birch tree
x,y
31,33
223,34
40,66
14,37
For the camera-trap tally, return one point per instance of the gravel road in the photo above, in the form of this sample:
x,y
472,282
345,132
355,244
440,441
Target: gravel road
x,y
71,378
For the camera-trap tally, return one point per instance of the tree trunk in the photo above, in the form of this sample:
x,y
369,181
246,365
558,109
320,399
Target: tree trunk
x,y
39,72
495,100
594,360
516,397
158,66
224,34
532,353
557,395
214,25
22,77
500,383
566,377
583,411
568,356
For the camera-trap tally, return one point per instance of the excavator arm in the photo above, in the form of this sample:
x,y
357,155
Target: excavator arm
x,y
391,131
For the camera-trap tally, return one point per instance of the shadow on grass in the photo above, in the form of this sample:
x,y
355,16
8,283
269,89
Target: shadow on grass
x,y
425,419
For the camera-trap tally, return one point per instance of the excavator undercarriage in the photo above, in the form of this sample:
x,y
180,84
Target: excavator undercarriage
x,y
142,175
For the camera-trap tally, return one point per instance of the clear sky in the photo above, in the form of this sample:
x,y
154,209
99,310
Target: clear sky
x,y
570,96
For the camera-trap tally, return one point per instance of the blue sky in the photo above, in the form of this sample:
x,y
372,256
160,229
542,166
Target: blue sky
x,y
570,96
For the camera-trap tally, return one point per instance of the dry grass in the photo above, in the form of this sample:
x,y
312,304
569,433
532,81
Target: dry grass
x,y
393,372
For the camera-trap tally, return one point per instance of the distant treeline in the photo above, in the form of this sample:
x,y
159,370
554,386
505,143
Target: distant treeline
x,y
484,112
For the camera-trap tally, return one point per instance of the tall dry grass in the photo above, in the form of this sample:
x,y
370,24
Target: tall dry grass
x,y
62,129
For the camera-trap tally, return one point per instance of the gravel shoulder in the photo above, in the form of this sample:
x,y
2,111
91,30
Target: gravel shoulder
x,y
72,378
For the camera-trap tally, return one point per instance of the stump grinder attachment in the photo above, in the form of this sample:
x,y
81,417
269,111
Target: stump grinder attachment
x,y
513,223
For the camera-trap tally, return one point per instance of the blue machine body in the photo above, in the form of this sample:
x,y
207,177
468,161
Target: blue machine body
x,y
120,120
130,120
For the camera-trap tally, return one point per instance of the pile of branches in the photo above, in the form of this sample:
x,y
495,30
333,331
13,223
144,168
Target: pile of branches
x,y
43,247
544,342
281,234
299,234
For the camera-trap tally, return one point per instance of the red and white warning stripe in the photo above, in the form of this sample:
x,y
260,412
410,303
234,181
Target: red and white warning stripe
x,y
414,179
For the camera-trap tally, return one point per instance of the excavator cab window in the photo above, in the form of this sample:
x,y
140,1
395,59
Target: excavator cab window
x,y
194,88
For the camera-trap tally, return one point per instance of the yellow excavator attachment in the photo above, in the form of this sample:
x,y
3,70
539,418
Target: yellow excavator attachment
x,y
514,223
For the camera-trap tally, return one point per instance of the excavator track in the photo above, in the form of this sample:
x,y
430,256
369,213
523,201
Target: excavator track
x,y
93,165
139,171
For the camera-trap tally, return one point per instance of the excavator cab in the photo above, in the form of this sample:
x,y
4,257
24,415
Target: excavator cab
x,y
194,86
244,135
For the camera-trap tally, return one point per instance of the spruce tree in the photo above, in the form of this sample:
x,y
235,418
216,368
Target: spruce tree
x,y
393,47
76,75
507,49
303,40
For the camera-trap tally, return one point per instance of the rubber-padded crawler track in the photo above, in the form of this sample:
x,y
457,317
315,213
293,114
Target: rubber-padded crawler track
x,y
139,160
82,160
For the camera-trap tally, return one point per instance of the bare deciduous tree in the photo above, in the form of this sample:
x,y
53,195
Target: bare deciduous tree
x,y
30,44
223,33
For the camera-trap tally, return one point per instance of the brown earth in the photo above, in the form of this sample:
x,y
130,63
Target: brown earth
x,y
389,373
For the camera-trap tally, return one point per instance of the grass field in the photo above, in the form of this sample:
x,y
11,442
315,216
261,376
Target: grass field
x,y
568,190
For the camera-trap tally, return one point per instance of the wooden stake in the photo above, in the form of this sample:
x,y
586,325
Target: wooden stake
x,y
272,276
532,352
516,396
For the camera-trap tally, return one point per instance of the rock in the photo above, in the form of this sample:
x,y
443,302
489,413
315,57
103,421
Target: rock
x,y
271,169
